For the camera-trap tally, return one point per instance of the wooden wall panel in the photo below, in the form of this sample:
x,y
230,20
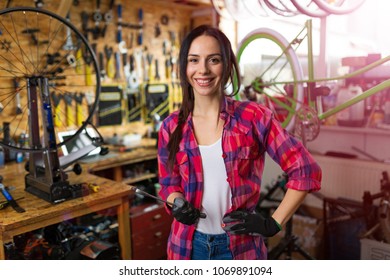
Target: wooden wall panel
x,y
173,19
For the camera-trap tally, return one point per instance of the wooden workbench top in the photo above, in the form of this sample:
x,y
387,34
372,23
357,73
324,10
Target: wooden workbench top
x,y
39,210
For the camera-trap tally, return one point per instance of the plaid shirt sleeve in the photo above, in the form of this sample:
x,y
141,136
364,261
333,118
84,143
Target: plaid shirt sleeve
x,y
302,170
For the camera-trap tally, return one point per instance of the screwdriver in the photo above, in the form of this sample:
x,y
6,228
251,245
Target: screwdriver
x,y
4,204
11,200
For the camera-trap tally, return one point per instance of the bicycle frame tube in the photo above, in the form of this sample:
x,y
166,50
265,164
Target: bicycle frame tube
x,y
310,63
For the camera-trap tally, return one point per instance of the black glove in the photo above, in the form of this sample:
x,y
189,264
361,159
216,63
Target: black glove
x,y
185,212
243,222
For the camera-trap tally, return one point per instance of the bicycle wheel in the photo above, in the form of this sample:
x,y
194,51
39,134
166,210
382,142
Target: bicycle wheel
x,y
49,79
270,70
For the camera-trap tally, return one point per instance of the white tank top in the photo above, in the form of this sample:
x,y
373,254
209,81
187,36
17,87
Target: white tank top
x,y
216,198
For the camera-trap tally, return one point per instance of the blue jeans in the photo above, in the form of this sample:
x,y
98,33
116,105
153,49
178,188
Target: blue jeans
x,y
210,247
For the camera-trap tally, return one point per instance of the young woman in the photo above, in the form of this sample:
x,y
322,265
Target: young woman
x,y
211,157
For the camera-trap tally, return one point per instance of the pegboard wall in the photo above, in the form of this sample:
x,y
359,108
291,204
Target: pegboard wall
x,y
137,46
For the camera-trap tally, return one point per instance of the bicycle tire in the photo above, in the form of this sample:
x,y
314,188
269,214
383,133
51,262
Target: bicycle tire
x,y
280,9
341,9
309,11
256,8
42,55
237,9
270,79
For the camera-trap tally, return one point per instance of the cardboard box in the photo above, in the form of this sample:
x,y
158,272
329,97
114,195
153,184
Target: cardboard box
x,y
374,250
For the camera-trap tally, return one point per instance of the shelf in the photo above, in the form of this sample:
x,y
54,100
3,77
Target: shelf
x,y
356,130
139,178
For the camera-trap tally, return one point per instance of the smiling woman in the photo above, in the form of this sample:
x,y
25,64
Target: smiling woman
x,y
211,158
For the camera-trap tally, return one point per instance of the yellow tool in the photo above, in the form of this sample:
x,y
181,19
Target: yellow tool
x,y
57,109
79,108
93,187
110,62
70,117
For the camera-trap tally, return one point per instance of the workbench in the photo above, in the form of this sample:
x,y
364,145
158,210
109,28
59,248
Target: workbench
x,y
40,213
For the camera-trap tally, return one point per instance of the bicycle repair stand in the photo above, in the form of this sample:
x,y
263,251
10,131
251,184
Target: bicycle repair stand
x,y
46,176
288,244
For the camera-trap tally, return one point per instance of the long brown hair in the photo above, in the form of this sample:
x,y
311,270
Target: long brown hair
x,y
231,73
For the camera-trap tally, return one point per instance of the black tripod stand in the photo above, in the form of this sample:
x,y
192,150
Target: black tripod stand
x,y
288,244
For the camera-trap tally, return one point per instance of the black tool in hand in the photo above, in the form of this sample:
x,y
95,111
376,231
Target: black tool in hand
x,y
11,200
177,203
244,222
185,212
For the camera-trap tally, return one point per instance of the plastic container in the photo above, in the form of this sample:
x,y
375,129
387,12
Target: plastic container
x,y
386,108
353,115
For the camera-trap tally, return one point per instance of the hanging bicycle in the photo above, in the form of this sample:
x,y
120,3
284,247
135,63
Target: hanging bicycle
x,y
272,73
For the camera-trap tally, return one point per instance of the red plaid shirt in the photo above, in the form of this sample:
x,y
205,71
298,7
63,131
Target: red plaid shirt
x,y
250,130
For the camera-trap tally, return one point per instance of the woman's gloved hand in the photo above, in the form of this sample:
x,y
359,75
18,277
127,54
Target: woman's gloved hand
x,y
243,222
185,212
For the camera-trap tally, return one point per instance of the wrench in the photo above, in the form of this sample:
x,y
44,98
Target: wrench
x,y
138,190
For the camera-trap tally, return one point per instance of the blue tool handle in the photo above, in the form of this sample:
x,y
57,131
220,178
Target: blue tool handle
x,y
119,11
140,19
6,194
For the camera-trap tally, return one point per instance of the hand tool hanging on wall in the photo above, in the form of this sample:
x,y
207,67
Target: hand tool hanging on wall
x,y
84,23
148,66
17,95
139,59
110,68
34,38
130,39
117,66
133,79
140,31
126,68
101,66
70,119
97,17
79,108
156,71
119,32
57,108
39,3
88,68
79,61
168,66
157,30
90,98
68,46
107,18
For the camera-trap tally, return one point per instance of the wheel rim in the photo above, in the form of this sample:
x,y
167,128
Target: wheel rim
x,y
42,46
272,73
